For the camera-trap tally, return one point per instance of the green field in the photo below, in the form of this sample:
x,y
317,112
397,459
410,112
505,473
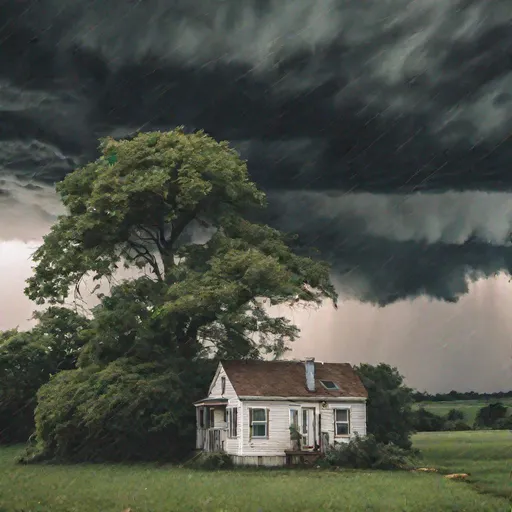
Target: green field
x,y
470,408
486,455
146,488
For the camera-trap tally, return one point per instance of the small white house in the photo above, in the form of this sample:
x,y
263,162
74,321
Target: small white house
x,y
252,404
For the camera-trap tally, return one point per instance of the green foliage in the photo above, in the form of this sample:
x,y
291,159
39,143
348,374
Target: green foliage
x,y
156,186
6,335
389,406
458,396
489,415
131,398
28,360
504,423
367,453
455,426
295,433
136,211
455,415
124,411
124,325
211,461
455,421
426,421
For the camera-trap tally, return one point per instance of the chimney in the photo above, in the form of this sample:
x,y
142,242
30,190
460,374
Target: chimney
x,y
309,364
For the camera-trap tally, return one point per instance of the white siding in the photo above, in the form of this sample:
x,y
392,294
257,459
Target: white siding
x,y
357,420
279,423
278,429
232,444
216,387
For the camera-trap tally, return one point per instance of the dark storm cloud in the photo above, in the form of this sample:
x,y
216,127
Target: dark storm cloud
x,y
385,97
389,247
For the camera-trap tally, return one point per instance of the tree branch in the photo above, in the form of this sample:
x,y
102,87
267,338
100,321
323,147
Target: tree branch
x,y
143,252
151,236
182,222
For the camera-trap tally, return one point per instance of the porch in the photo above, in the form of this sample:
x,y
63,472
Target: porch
x,y
211,421
302,457
211,439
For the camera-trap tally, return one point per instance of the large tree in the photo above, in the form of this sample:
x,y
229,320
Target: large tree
x,y
28,360
174,207
137,205
389,406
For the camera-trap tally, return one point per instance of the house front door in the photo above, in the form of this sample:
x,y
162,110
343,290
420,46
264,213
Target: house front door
x,y
308,428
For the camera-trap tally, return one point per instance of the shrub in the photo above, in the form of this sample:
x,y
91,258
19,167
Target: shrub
x,y
27,361
212,461
426,421
504,423
456,426
455,415
489,415
367,453
389,405
124,411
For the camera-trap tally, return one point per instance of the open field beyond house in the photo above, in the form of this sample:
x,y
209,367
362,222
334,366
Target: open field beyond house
x,y
485,454
146,488
470,408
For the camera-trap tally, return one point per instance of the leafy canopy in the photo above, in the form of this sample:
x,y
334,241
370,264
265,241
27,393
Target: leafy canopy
x,y
140,205
389,406
28,360
126,410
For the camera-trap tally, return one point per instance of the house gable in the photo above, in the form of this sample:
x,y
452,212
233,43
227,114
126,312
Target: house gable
x,y
216,385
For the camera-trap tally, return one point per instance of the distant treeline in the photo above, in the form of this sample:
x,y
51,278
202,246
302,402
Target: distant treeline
x,y
494,416
456,395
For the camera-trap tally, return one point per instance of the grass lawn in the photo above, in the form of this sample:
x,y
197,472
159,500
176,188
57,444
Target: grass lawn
x,y
486,455
145,488
470,408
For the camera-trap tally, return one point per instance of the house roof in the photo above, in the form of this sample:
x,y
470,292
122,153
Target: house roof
x,y
288,379
212,401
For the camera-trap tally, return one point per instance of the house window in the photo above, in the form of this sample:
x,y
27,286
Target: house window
x,y
222,385
329,384
304,421
259,422
232,422
294,418
212,417
341,422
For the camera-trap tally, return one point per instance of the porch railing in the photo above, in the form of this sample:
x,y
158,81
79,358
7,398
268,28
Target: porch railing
x,y
211,439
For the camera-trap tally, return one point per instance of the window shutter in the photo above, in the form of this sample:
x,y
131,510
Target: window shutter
x,y
268,416
235,422
250,423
